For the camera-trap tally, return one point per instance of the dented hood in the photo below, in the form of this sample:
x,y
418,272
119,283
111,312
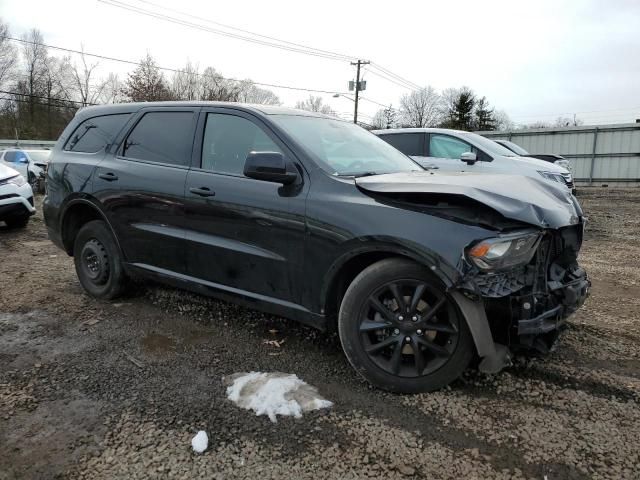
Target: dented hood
x,y
526,199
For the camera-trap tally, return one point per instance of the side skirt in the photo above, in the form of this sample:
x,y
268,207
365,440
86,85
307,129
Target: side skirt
x,y
255,301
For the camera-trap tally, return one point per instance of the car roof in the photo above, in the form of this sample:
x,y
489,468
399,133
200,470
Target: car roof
x,y
421,130
115,108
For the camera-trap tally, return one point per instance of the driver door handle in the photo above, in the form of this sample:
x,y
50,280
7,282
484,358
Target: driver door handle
x,y
109,176
203,192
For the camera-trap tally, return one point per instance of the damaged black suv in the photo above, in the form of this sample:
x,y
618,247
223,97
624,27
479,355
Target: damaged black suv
x,y
317,220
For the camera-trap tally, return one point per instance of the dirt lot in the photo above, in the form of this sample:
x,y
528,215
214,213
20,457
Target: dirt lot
x,y
93,389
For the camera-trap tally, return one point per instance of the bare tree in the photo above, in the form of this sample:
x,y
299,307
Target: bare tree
x,y
8,55
35,62
186,84
568,122
384,118
421,108
86,92
112,90
250,93
216,87
315,104
503,122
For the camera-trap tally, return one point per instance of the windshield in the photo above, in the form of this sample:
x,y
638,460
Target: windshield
x,y
515,148
343,148
486,145
39,155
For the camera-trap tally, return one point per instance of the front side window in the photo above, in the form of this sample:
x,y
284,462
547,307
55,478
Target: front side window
x,y
228,139
96,133
343,148
408,143
445,146
162,137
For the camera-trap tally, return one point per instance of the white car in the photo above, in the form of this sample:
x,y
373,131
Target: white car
x,y
458,151
16,198
31,164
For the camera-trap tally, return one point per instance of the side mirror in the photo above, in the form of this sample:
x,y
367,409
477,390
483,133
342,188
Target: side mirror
x,y
469,157
270,167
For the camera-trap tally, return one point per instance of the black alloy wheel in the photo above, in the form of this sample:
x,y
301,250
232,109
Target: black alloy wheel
x,y
401,331
408,328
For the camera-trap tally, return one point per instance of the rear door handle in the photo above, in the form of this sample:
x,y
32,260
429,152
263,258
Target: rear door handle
x,y
203,192
109,176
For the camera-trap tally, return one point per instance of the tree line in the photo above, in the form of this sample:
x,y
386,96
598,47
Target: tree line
x,y
457,108
40,92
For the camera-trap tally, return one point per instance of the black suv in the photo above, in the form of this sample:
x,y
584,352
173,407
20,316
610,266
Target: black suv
x,y
315,219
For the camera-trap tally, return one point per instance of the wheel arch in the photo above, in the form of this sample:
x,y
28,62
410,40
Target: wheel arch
x,y
342,272
77,212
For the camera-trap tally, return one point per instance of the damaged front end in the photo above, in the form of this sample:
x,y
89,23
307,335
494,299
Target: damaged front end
x,y
527,284
517,285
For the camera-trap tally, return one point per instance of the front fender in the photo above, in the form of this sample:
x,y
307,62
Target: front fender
x,y
359,247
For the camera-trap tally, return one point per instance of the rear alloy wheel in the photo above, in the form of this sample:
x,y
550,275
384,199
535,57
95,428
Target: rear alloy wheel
x,y
401,331
97,261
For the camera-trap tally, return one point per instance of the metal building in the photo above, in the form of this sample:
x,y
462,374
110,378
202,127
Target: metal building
x,y
603,154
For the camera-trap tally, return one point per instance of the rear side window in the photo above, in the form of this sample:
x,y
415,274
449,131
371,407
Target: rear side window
x,y
163,137
228,139
407,143
96,133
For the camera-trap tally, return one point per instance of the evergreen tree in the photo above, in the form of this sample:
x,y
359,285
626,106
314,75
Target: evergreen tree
x,y
146,83
484,116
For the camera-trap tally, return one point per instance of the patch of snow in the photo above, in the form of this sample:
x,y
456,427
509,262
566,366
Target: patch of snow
x,y
200,442
274,394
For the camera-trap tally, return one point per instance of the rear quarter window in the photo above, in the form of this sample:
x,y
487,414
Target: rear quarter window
x,y
94,134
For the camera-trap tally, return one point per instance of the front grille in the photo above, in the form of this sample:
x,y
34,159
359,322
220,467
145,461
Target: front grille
x,y
9,195
501,284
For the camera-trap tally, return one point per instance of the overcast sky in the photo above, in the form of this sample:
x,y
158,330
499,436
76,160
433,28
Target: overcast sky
x,y
535,60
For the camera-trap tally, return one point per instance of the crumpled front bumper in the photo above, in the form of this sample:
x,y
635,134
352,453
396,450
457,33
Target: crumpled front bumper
x,y
572,295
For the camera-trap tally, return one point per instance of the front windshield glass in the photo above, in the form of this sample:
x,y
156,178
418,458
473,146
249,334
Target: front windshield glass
x,y
516,148
486,145
39,155
342,148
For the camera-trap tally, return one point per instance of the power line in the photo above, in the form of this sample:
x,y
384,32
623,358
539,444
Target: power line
x,y
415,86
174,70
329,52
389,79
46,98
170,19
282,44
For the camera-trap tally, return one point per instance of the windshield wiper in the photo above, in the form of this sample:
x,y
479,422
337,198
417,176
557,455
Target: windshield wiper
x,y
358,174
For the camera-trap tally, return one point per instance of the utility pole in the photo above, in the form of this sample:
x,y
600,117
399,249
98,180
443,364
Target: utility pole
x,y
358,86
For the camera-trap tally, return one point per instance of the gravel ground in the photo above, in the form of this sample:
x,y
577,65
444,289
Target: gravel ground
x,y
93,389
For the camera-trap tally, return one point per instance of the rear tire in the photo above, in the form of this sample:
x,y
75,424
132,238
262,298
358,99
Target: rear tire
x,y
401,331
98,261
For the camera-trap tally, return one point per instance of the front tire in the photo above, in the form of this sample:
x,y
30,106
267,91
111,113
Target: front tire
x,y
17,222
98,261
401,331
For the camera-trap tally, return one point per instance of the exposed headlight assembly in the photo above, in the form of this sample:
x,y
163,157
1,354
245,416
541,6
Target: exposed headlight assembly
x,y
553,176
504,252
